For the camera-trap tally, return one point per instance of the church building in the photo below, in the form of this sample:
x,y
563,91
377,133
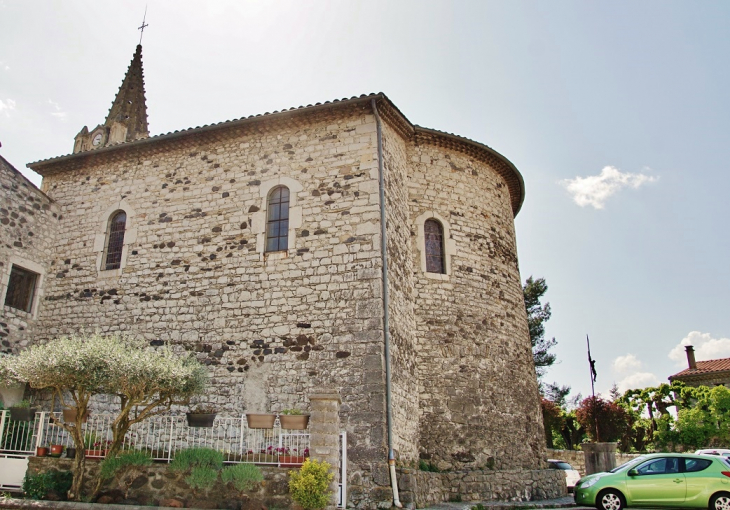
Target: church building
x,y
330,245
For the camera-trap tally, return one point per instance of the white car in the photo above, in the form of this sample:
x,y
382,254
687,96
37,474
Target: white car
x,y
571,475
722,452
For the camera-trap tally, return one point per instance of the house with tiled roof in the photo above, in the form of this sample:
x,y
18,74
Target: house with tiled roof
x,y
713,372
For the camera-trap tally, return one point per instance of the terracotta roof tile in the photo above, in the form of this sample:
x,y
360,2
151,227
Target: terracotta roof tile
x,y
705,367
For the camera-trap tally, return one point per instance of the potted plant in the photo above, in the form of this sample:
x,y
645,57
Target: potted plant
x,y
96,447
201,416
69,415
56,450
290,458
41,451
70,452
260,421
293,419
22,411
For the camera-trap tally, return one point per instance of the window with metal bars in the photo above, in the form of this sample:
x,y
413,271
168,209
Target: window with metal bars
x,y
115,240
277,222
21,289
434,234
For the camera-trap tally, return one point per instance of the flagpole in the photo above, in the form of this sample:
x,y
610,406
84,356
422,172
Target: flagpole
x,y
592,370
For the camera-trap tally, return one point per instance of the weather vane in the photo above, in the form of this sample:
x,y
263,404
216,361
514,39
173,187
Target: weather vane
x,y
141,29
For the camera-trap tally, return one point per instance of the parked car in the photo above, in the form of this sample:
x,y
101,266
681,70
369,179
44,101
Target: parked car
x,y
571,475
714,451
660,480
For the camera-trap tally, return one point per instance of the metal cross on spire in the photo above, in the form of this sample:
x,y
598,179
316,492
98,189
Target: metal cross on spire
x,y
141,28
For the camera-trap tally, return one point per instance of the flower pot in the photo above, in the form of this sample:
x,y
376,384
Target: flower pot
x,y
294,421
69,415
291,461
22,413
12,393
260,421
70,452
95,454
56,449
200,420
41,451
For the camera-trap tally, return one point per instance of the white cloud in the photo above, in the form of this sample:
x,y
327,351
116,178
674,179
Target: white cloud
x,y
596,189
626,364
6,106
705,346
638,380
59,113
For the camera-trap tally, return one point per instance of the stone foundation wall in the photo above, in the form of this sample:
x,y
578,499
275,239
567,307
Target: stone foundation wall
x,y
422,488
155,485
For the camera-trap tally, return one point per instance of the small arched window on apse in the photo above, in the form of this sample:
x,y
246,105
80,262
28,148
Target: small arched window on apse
x,y
434,240
115,240
277,221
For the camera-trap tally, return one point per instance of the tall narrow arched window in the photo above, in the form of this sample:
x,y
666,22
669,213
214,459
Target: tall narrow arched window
x,y
115,240
277,221
434,239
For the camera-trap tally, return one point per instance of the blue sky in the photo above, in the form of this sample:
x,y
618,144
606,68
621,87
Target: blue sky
x,y
616,113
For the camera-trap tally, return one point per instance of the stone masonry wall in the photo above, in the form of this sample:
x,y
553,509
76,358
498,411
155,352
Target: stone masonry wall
x,y
403,343
420,489
271,328
576,458
28,220
156,485
479,397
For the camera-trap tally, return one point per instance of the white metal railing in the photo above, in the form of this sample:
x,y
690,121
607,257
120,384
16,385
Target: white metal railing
x,y
162,437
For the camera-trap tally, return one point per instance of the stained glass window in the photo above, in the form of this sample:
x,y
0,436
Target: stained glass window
x,y
115,240
434,234
277,224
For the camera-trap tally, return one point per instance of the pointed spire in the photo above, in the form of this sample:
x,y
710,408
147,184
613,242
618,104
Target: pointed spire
x,y
127,117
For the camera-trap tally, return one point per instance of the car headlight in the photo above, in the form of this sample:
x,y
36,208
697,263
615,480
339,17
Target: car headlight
x,y
589,483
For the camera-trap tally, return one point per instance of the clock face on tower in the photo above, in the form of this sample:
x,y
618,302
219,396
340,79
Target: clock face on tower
x,y
96,141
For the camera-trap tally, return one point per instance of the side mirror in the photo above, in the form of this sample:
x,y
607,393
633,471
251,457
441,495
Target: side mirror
x,y
632,472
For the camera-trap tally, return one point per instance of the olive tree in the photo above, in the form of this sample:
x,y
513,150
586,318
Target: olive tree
x,y
146,381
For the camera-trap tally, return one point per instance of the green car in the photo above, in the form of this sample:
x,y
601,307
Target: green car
x,y
660,479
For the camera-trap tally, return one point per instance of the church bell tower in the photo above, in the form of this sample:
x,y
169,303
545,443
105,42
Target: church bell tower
x,y
127,118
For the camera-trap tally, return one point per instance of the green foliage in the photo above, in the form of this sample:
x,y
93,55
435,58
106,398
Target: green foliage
x,y
292,412
309,485
427,466
537,315
201,477
552,419
38,486
478,506
23,404
113,466
243,476
191,458
456,498
17,435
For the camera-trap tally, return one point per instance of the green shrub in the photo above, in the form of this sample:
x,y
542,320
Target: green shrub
x,y
111,466
243,476
292,412
426,466
197,457
201,477
310,485
478,506
38,486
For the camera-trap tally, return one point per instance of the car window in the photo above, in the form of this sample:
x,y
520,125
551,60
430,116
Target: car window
x,y
627,464
659,466
694,465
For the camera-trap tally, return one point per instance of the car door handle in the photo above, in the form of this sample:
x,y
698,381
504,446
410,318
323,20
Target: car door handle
x,y
677,480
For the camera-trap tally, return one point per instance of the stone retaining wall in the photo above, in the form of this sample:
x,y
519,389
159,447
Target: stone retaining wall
x,y
155,485
576,458
422,488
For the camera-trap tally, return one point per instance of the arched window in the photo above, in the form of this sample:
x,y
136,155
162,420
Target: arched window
x,y
434,239
277,222
115,240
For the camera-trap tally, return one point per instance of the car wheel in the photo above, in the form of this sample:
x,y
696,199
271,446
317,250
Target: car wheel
x,y
614,500
720,501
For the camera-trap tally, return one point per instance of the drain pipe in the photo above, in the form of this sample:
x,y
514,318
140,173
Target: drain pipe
x,y
386,312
